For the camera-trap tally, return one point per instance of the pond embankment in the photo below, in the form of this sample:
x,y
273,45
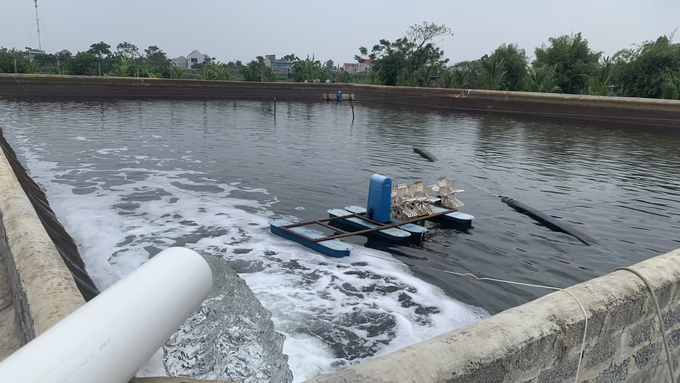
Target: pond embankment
x,y
635,111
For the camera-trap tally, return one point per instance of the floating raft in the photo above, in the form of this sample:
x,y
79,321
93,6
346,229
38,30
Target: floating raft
x,y
357,222
310,238
416,231
391,215
454,217
338,97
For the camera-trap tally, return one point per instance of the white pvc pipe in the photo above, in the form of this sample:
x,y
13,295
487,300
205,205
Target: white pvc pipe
x,y
109,339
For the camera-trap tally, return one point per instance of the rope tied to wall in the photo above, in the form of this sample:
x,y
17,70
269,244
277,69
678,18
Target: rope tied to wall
x,y
658,313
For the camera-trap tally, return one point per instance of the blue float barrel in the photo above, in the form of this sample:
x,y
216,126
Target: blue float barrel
x,y
379,198
339,95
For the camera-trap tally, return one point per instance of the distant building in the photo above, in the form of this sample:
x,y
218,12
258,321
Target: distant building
x,y
65,52
195,57
357,67
30,52
279,66
180,62
192,58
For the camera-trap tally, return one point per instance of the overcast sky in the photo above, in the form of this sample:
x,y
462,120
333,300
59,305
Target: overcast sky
x,y
242,30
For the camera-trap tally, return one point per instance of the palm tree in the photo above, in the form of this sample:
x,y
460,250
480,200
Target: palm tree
x,y
217,71
542,79
325,73
123,67
375,77
426,75
494,74
406,77
345,77
600,84
31,66
671,85
462,78
311,68
177,72
268,74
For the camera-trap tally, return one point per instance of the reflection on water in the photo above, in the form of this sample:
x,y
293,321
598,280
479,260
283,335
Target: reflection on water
x,y
616,183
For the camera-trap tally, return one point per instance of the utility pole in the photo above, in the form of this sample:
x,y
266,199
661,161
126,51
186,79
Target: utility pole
x,y
37,22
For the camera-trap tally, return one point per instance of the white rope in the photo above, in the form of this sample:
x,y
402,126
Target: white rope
x,y
658,313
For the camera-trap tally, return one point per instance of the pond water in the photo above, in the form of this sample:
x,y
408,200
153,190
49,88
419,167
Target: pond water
x,y
130,178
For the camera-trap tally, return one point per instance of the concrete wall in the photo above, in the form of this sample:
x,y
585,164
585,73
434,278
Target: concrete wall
x,y
34,278
541,341
606,109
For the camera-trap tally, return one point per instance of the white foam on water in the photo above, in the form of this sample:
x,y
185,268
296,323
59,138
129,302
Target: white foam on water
x,y
334,312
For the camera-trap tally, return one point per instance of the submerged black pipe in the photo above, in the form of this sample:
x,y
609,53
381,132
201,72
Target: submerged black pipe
x,y
425,154
550,221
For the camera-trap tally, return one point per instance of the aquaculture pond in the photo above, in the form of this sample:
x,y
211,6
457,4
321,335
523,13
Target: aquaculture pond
x,y
130,178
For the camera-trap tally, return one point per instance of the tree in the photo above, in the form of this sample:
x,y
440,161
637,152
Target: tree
x,y
493,74
217,71
306,70
123,68
600,84
573,60
157,61
43,59
514,63
466,75
7,57
329,64
177,72
642,72
345,77
256,70
128,50
290,58
100,49
406,58
671,88
82,64
542,79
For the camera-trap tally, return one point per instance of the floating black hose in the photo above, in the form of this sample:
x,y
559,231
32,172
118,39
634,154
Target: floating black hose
x,y
550,221
425,154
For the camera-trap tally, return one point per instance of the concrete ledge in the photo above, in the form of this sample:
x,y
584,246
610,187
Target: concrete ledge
x,y
9,328
42,289
541,341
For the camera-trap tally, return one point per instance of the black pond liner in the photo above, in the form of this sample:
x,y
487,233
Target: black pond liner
x,y
62,240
